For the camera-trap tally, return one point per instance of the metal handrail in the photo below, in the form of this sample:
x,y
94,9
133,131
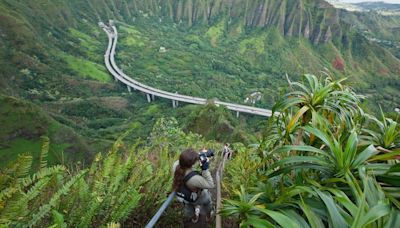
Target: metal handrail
x,y
219,176
164,206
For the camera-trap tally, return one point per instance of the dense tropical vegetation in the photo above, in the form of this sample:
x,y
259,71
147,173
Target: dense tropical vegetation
x,y
78,150
51,56
323,162
123,185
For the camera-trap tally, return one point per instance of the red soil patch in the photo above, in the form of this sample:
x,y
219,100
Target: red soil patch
x,y
338,63
383,71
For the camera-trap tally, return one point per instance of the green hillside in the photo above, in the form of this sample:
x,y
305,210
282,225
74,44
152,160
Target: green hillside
x,y
79,150
23,125
51,54
247,45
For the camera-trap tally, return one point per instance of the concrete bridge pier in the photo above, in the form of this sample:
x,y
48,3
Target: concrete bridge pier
x,y
153,98
148,97
174,103
116,79
237,114
129,89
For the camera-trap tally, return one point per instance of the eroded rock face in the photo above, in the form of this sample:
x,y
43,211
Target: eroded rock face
x,y
312,19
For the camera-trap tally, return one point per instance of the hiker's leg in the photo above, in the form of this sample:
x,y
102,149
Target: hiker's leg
x,y
188,211
205,201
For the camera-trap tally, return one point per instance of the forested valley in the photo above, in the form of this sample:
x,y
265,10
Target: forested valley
x,y
80,150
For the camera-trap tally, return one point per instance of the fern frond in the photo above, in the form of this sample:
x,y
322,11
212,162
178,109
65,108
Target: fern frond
x,y
45,209
4,180
108,167
36,189
77,202
44,152
58,220
116,146
98,192
7,193
45,172
113,225
127,201
13,206
22,166
16,208
92,208
121,173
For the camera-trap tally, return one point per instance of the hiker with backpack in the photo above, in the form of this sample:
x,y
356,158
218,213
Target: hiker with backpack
x,y
191,187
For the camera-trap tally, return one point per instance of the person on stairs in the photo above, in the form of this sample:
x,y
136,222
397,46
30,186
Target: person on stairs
x,y
227,151
191,187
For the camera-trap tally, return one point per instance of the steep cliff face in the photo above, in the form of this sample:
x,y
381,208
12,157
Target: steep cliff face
x,y
313,19
278,36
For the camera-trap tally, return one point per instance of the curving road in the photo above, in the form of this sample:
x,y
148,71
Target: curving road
x,y
119,75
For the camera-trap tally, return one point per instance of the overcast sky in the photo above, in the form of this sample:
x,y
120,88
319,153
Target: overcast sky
x,y
389,1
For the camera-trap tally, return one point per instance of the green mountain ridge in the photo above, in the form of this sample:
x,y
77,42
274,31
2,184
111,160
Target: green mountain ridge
x,y
342,49
79,150
51,54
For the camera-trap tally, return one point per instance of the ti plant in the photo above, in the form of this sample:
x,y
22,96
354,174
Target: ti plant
x,y
385,134
320,164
